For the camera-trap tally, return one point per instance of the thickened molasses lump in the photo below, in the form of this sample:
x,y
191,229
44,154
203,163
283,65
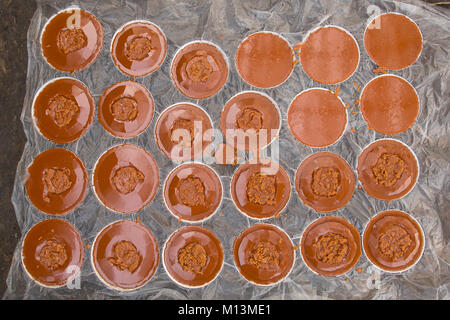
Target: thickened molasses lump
x,y
393,41
264,59
183,132
53,253
63,109
57,181
199,69
193,256
329,55
250,120
138,48
125,255
193,192
393,241
389,104
387,169
325,182
125,109
330,246
126,178
72,40
260,190
317,117
264,254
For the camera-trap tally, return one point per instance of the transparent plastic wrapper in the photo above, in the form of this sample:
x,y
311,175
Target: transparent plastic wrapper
x,y
226,23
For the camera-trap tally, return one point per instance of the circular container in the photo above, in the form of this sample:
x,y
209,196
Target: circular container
x,y
330,246
325,182
264,59
251,256
329,55
71,40
246,114
125,255
193,192
57,181
317,117
389,104
401,162
63,110
199,69
52,253
183,120
126,178
138,48
125,109
393,241
393,41
260,191
193,257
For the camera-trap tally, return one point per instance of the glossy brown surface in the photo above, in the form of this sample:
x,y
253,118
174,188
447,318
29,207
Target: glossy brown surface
x,y
141,62
104,251
125,109
349,249
264,60
177,194
404,178
38,240
246,111
329,55
126,191
317,117
277,240
74,58
211,246
406,246
389,104
60,166
199,70
331,198
267,198
63,110
393,41
176,147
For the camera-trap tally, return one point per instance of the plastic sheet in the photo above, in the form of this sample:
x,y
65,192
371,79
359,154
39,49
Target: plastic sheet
x,y
226,23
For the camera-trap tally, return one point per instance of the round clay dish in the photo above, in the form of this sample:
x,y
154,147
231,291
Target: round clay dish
x,y
329,55
393,241
71,40
317,117
264,254
193,256
63,109
264,59
180,132
250,114
125,255
125,178
57,181
260,190
389,104
53,253
330,246
387,169
138,48
393,41
199,69
325,182
193,192
125,109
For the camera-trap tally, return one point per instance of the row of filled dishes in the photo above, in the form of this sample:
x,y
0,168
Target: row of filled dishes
x,y
125,254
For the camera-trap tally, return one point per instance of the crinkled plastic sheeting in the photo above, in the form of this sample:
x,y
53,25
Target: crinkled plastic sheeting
x,y
226,23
